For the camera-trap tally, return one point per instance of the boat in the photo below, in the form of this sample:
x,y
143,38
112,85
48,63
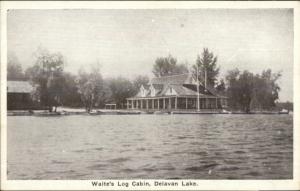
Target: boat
x,y
94,113
194,112
224,111
128,112
284,111
161,112
47,114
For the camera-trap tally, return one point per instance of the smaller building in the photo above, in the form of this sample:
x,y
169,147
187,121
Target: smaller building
x,y
18,95
176,92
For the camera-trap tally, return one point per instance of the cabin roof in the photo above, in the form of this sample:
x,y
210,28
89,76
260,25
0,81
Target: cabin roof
x,y
19,87
183,84
173,79
158,87
181,90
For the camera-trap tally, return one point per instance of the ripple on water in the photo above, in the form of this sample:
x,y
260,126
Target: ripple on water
x,y
119,160
202,167
200,153
233,161
239,152
141,149
79,151
183,137
60,162
168,168
99,149
149,169
97,166
229,168
253,173
128,170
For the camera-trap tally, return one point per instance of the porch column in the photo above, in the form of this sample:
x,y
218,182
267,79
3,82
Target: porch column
x,y
132,101
186,103
216,103
137,104
206,103
142,104
127,103
164,104
158,103
176,102
147,104
152,103
170,105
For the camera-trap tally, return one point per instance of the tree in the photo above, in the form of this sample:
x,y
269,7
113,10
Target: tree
x,y
232,90
139,81
166,66
92,88
248,91
206,63
70,95
221,86
14,68
121,88
47,75
266,89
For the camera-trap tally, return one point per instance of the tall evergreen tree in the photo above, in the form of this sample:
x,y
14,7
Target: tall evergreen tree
x,y
206,63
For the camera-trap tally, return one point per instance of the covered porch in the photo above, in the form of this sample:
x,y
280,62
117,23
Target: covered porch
x,y
177,103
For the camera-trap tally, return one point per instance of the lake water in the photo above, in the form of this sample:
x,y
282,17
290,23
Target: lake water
x,y
151,146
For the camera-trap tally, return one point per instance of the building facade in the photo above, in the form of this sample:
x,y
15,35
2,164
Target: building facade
x,y
18,95
176,92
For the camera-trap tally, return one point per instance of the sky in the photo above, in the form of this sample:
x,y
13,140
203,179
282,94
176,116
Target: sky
x,y
126,42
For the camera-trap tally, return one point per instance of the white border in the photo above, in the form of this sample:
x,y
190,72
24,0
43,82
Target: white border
x,y
203,184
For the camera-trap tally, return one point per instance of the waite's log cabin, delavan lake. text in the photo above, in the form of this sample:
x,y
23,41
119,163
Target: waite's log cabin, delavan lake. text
x,y
142,183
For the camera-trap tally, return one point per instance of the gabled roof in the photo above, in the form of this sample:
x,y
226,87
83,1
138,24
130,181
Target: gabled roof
x,y
181,90
158,86
19,87
146,87
174,79
213,91
185,91
202,90
183,84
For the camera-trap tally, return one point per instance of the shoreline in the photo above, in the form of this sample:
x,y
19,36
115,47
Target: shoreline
x,y
68,112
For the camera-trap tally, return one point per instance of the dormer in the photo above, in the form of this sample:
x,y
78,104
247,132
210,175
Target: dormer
x,y
143,91
152,91
171,91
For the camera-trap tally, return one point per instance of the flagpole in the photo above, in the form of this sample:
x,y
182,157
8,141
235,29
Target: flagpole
x,y
198,102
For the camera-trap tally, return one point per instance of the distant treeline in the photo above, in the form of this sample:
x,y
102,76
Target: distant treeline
x,y
55,87
285,105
